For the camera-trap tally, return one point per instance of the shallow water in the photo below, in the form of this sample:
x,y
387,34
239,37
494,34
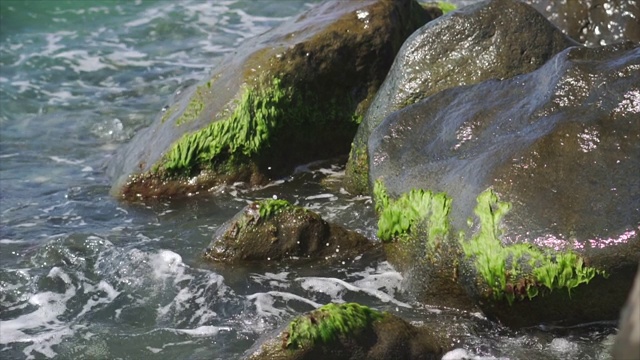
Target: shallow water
x,y
83,276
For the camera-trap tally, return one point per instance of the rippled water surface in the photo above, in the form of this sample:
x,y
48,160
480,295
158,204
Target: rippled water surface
x,y
83,276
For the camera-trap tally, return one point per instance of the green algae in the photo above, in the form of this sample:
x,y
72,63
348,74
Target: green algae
x,y
328,322
270,207
357,171
194,108
511,272
397,217
446,6
519,270
267,115
245,132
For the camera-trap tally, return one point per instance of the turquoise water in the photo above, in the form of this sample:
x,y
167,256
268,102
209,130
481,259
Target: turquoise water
x,y
83,276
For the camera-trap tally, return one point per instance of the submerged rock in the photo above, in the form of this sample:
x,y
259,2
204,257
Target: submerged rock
x,y
561,147
352,331
275,230
593,22
287,97
472,44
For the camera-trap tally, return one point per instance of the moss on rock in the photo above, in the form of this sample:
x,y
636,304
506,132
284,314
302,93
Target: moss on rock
x,y
516,271
397,217
290,96
243,133
417,229
271,229
328,322
446,6
355,332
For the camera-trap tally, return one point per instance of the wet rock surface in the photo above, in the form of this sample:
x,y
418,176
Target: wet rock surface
x,y
289,96
365,334
560,144
473,44
271,230
593,22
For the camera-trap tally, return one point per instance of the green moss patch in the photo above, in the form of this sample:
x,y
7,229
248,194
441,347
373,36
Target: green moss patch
x,y
194,108
397,217
270,207
510,272
326,323
519,270
446,6
245,132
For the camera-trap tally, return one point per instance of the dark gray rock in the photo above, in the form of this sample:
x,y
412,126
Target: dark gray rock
x,y
352,332
495,39
292,95
271,230
560,144
594,22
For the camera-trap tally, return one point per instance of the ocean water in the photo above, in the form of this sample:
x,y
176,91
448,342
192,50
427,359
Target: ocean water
x,y
84,276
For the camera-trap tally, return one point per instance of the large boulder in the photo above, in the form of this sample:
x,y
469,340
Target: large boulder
x,y
289,96
271,230
351,331
464,47
560,146
593,22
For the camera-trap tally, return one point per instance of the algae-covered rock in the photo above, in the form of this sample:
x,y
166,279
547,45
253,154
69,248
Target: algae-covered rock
x,y
464,47
289,96
593,22
352,331
518,284
418,241
561,145
275,230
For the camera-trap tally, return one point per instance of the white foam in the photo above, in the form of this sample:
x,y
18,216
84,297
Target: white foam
x,y
264,302
166,263
273,280
462,354
383,277
11,241
201,331
193,298
331,197
41,327
334,288
65,161
95,300
457,354
563,346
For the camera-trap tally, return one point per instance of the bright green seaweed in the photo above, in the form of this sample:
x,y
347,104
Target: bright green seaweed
x,y
397,217
246,131
510,271
517,270
326,323
446,6
270,207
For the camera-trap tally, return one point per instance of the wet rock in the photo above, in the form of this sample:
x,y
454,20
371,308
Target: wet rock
x,y
351,331
627,344
559,149
270,230
287,97
472,44
593,22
